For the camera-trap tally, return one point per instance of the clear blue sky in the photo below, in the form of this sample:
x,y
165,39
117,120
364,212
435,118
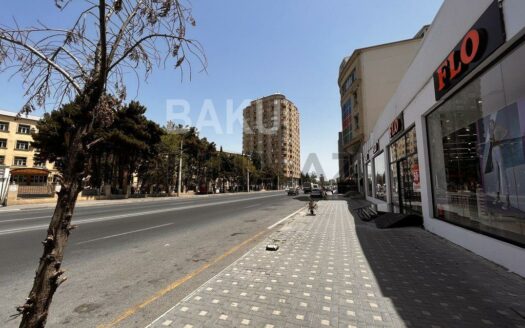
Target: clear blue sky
x,y
259,47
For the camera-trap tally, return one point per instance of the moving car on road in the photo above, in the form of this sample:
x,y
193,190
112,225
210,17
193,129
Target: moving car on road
x,y
307,187
316,193
293,191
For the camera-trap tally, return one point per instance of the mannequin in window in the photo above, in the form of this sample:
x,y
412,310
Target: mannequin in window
x,y
496,136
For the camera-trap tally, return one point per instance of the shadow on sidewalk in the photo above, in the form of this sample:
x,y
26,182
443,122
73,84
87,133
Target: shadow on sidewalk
x,y
432,282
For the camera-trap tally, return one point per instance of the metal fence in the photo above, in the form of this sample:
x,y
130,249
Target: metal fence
x,y
28,191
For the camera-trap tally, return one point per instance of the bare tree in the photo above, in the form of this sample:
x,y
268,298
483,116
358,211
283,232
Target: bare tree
x,y
87,63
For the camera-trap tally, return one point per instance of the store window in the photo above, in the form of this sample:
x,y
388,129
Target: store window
x,y
477,152
38,179
380,176
404,174
369,179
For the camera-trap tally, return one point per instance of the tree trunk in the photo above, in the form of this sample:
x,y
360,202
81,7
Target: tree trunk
x,y
49,274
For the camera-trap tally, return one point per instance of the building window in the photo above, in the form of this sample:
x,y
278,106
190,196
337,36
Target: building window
x,y
4,126
349,81
356,121
20,161
380,176
3,143
22,145
2,160
477,153
24,129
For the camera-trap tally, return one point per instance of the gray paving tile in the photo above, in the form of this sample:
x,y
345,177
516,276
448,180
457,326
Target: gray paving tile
x,y
334,271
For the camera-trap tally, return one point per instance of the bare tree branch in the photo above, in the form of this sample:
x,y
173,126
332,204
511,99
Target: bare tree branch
x,y
39,54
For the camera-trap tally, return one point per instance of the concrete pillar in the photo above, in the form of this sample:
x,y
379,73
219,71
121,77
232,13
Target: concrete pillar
x,y
12,194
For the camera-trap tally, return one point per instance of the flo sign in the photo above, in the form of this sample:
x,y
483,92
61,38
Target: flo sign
x,y
481,40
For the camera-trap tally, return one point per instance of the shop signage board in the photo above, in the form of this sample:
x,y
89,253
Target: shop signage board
x,y
375,149
482,39
396,126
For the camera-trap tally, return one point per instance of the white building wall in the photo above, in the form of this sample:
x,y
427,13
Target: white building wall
x,y
415,98
382,68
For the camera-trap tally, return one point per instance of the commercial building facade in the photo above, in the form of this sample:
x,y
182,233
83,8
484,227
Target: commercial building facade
x,y
271,129
367,80
450,143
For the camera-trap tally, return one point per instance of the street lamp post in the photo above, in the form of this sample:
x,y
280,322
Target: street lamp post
x,y
248,180
180,170
172,128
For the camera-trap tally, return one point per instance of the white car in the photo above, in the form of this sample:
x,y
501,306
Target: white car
x,y
316,192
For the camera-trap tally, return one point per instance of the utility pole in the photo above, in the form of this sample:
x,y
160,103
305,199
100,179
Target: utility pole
x,y
248,180
180,170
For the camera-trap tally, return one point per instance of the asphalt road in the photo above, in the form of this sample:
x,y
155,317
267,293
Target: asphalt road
x,y
129,262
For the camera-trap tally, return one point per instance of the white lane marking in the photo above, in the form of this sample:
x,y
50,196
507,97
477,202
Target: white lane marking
x,y
124,216
27,219
51,214
12,210
124,233
286,218
250,206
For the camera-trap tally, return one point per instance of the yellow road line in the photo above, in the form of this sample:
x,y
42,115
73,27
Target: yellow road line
x,y
131,311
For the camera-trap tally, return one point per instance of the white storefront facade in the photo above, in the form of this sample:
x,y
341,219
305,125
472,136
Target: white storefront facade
x,y
450,144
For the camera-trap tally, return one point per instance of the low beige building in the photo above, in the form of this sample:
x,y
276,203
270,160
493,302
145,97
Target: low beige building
x,y
17,153
271,129
367,80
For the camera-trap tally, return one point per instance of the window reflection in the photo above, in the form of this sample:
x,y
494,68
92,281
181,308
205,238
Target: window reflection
x,y
380,176
369,178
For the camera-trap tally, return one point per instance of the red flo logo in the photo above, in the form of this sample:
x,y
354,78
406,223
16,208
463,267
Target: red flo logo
x,y
458,61
481,41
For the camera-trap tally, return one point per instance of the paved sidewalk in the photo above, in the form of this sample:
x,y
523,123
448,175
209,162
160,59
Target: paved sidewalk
x,y
332,271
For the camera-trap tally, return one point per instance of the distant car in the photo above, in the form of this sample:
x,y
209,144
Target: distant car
x,y
307,187
316,192
293,191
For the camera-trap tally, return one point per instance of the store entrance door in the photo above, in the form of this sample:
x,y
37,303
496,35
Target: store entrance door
x,y
402,186
404,171
396,187
405,181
